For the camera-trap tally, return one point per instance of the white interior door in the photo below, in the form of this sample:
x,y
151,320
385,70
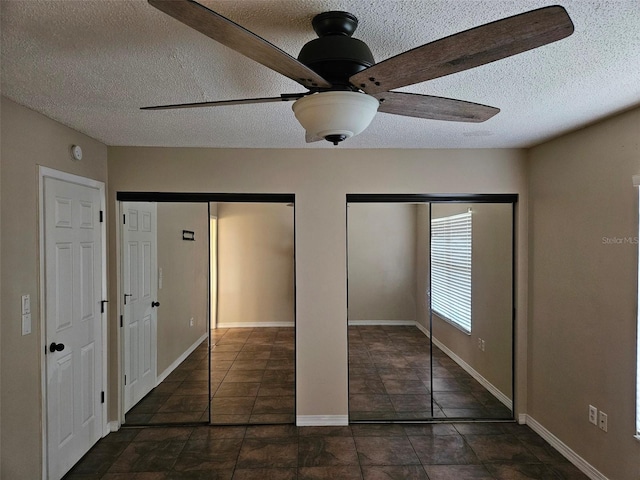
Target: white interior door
x,y
72,309
140,287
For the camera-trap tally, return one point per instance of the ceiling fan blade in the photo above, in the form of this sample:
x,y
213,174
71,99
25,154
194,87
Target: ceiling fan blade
x,y
285,97
468,49
238,38
434,108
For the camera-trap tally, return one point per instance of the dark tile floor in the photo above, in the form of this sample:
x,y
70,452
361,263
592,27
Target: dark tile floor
x,y
444,451
252,382
390,379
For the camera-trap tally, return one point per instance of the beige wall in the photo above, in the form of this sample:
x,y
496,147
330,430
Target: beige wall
x,y
320,180
185,271
1,155
28,140
491,293
583,291
255,264
381,256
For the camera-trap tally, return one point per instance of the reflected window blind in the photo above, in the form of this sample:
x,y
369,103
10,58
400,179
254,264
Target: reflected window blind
x,y
451,269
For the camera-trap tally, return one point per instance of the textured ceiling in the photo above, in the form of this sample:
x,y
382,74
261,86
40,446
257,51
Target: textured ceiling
x,y
92,64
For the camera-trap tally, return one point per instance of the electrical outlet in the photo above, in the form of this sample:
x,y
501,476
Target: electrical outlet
x,y
479,343
482,347
602,421
191,322
26,324
593,415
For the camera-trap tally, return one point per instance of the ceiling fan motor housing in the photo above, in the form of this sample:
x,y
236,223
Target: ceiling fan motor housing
x,y
335,55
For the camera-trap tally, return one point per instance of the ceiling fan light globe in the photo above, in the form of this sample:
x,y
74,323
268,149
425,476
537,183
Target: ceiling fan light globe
x,y
335,113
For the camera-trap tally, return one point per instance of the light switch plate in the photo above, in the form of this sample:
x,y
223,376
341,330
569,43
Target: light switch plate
x,y
26,304
593,415
26,324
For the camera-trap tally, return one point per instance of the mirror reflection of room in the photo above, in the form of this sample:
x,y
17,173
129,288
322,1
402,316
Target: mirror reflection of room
x,y
174,339
253,335
405,361
221,343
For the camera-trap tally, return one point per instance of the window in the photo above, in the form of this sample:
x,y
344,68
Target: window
x,y
451,269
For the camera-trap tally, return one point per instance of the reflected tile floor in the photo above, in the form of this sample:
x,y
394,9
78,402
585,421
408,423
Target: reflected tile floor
x,y
182,397
390,379
253,375
252,382
445,451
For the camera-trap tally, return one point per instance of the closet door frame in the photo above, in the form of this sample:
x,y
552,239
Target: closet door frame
x,y
459,198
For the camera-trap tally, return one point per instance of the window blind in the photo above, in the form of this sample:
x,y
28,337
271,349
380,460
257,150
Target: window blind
x,y
451,269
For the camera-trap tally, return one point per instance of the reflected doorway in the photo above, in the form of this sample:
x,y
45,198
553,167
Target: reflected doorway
x,y
407,360
213,266
252,344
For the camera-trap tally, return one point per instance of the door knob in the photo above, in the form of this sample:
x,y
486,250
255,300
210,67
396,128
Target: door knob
x,y
56,347
155,304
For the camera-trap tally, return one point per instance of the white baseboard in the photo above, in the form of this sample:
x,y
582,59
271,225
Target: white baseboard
x,y
322,420
113,426
255,324
180,359
506,401
584,466
423,329
381,322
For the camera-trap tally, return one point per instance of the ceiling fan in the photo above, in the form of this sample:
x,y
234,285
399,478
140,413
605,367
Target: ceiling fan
x,y
346,87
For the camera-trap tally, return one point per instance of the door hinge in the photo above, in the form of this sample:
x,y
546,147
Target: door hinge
x,y
101,216
101,397
120,321
124,219
125,379
102,302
